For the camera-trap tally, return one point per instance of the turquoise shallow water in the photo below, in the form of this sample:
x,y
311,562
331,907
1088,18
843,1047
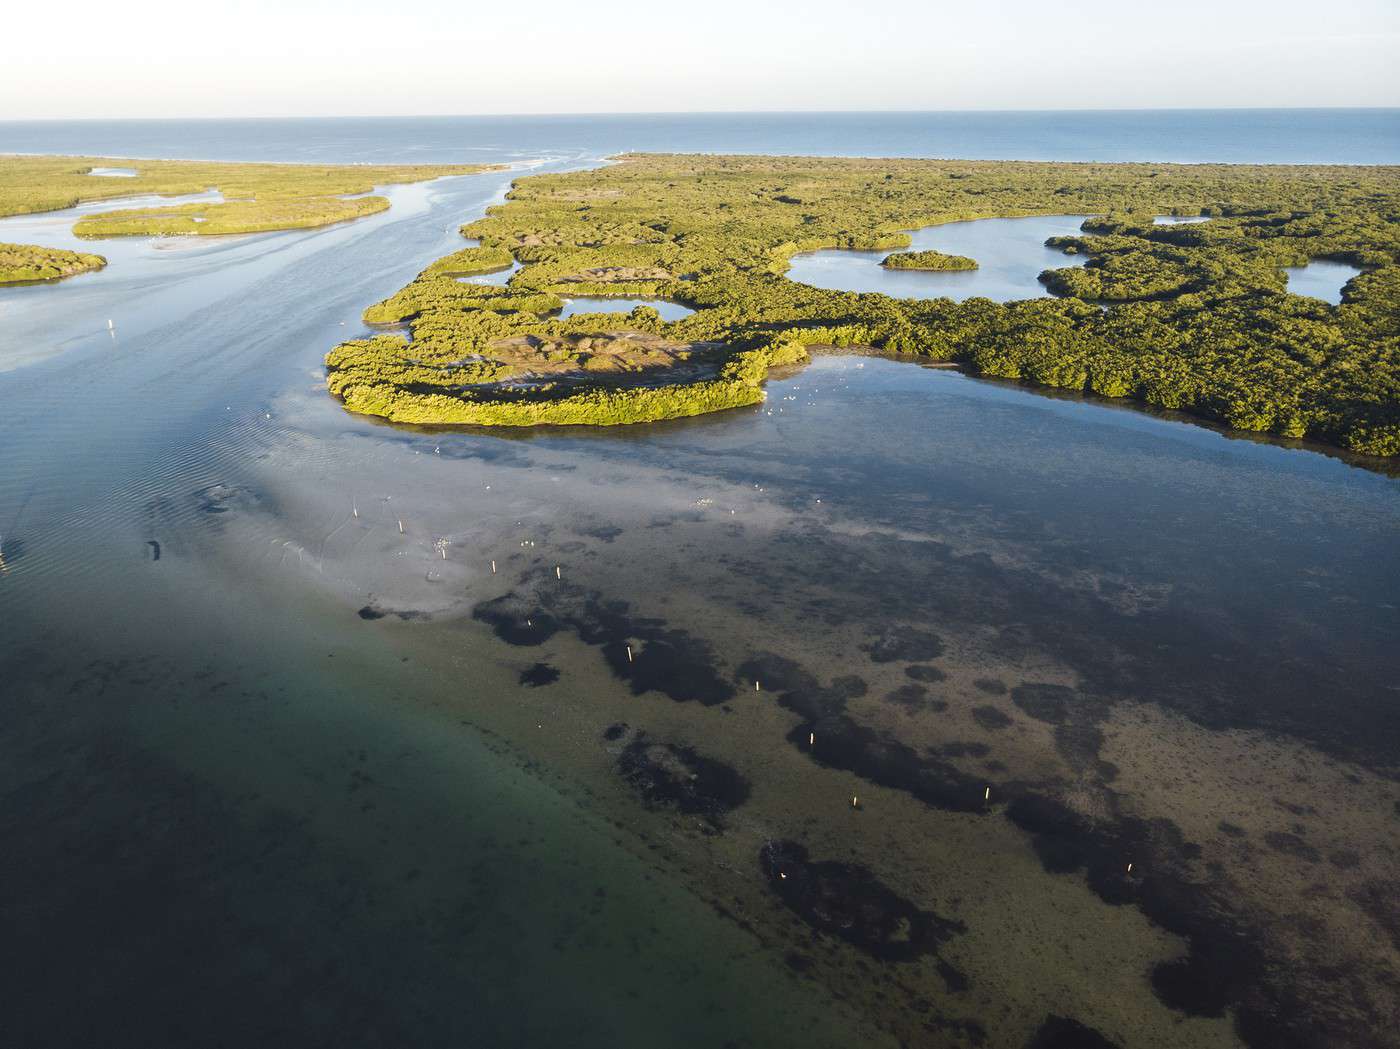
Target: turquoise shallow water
x,y
282,760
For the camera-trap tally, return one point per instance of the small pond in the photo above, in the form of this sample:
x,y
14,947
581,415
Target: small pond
x,y
1320,279
1178,220
1010,254
670,311
113,172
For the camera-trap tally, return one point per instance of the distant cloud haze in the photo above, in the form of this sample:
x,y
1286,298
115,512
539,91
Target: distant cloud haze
x,y
157,58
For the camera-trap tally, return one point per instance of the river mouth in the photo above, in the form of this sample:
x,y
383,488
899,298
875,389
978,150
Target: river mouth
x,y
1010,255
832,721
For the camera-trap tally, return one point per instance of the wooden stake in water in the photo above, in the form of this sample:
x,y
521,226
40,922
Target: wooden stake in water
x,y
400,526
629,647
811,739
557,573
755,686
493,567
987,794
111,326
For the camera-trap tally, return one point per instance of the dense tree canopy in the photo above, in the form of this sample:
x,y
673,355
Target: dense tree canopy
x,y
1190,316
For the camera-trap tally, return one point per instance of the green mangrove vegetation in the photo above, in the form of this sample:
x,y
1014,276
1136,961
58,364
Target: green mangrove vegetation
x,y
257,197
1193,317
928,260
22,263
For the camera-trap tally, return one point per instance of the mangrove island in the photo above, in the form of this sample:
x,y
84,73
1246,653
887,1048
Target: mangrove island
x,y
1188,316
24,263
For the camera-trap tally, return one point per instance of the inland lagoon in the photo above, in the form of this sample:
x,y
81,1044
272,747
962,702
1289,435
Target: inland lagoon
x,y
1010,255
667,311
903,706
1321,279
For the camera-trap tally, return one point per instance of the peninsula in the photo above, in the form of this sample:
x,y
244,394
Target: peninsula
x,y
251,198
1190,316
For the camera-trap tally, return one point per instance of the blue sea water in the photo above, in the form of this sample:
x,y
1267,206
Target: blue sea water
x,y
1274,136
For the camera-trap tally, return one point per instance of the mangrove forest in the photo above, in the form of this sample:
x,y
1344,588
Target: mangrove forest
x,y
1194,317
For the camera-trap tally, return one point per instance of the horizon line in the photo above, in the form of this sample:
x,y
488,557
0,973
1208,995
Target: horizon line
x,y
714,113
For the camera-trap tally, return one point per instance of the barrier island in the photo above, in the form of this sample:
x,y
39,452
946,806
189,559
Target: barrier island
x,y
257,198
23,263
1189,316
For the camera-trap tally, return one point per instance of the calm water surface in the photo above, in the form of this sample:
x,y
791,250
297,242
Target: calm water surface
x,y
1010,253
314,730
670,311
1321,279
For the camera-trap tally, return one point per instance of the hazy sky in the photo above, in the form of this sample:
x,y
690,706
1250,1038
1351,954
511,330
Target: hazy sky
x,y
156,58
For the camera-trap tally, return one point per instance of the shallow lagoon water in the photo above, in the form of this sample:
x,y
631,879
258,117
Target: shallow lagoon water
x,y
1010,254
1321,279
670,311
302,779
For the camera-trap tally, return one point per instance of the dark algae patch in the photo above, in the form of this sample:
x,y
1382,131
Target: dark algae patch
x,y
832,737
848,901
662,659
1048,703
990,718
909,644
539,674
919,672
671,775
1061,1032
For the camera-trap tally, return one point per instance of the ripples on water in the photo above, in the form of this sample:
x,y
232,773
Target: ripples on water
x,y
507,738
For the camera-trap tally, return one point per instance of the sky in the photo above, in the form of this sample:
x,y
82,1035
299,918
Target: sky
x,y
159,58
